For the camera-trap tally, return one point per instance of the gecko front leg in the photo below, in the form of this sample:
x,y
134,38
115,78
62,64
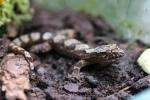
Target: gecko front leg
x,y
75,75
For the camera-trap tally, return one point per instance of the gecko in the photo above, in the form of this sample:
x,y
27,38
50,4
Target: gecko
x,y
64,43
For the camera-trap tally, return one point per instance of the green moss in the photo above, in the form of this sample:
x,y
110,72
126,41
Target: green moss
x,y
14,10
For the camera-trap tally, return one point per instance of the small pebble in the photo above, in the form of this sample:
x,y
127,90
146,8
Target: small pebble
x,y
41,70
71,87
92,82
85,90
76,97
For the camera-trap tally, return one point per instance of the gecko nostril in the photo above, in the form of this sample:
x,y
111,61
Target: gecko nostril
x,y
104,54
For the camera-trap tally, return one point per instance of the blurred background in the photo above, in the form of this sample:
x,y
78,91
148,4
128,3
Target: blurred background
x,y
129,18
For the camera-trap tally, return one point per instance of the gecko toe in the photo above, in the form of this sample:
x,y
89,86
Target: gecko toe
x,y
74,77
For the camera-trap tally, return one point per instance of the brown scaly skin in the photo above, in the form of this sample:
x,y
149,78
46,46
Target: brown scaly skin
x,y
64,42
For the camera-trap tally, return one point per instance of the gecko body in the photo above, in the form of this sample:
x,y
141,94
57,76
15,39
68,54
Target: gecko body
x,y
64,43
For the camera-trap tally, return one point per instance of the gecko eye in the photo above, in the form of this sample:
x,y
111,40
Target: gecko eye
x,y
118,52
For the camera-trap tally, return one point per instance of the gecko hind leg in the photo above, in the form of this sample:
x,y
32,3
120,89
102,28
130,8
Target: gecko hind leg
x,y
75,75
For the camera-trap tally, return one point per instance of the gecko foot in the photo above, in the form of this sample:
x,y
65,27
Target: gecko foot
x,y
75,75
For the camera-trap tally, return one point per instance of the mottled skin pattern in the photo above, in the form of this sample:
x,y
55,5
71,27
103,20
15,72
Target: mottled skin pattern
x,y
63,42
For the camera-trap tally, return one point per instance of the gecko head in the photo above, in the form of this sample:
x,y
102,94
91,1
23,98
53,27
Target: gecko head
x,y
107,52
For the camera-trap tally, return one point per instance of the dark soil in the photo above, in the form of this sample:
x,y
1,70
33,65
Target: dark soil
x,y
115,82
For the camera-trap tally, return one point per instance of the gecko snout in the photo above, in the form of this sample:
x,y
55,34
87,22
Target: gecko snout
x,y
121,52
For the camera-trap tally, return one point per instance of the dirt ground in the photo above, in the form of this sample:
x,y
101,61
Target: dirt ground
x,y
115,82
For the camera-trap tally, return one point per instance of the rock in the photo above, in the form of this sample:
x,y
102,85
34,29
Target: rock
x,y
71,87
92,82
141,83
77,98
41,70
85,90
